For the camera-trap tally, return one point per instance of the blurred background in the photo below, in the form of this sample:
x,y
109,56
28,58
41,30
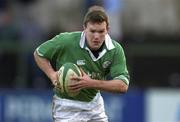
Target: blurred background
x,y
149,32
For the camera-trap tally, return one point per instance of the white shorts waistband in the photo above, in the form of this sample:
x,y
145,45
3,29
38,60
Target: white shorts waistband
x,y
73,104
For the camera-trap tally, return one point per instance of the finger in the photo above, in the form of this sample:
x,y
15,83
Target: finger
x,y
75,78
58,87
54,83
75,88
82,71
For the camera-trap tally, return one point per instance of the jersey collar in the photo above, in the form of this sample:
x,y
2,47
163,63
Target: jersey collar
x,y
108,41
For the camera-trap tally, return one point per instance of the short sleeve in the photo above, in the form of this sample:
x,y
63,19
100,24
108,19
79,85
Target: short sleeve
x,y
118,68
49,48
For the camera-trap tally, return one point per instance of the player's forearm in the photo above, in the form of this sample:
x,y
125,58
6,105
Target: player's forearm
x,y
44,65
111,86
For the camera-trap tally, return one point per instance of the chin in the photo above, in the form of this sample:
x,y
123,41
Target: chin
x,y
94,48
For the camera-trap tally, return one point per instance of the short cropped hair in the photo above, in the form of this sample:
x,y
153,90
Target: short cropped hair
x,y
96,14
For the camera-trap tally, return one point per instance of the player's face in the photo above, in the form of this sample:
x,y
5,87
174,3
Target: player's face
x,y
95,34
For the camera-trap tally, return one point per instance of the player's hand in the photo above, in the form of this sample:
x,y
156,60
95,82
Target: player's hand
x,y
54,79
82,82
57,85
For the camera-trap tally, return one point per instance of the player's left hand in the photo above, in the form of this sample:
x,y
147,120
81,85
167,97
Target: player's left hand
x,y
82,82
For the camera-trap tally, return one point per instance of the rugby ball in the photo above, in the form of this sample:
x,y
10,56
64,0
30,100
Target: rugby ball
x,y
65,72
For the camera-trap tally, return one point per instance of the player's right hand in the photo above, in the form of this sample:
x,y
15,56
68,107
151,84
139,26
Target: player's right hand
x,y
54,79
57,85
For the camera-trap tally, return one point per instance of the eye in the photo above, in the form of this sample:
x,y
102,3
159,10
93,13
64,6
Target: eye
x,y
93,31
101,31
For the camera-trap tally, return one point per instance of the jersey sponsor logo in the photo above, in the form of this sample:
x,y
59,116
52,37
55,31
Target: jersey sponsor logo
x,y
106,64
80,62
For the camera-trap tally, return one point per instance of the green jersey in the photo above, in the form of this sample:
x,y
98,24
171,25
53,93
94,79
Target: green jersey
x,y
71,47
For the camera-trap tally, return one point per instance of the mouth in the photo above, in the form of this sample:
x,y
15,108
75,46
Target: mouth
x,y
96,42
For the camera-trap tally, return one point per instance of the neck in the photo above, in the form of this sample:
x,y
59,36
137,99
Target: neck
x,y
96,52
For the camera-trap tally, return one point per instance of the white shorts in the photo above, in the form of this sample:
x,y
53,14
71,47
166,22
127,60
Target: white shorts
x,y
65,110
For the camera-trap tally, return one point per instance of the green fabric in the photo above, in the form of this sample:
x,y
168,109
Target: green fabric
x,y
65,47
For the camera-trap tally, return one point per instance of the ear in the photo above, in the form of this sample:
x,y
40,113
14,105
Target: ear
x,y
108,28
84,27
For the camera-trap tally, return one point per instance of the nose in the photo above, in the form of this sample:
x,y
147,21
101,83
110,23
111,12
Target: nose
x,y
96,35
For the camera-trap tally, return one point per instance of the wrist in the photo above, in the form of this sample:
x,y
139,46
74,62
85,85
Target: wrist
x,y
53,76
96,83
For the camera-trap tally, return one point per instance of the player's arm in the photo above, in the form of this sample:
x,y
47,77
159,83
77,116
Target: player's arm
x,y
119,74
44,54
110,86
45,66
